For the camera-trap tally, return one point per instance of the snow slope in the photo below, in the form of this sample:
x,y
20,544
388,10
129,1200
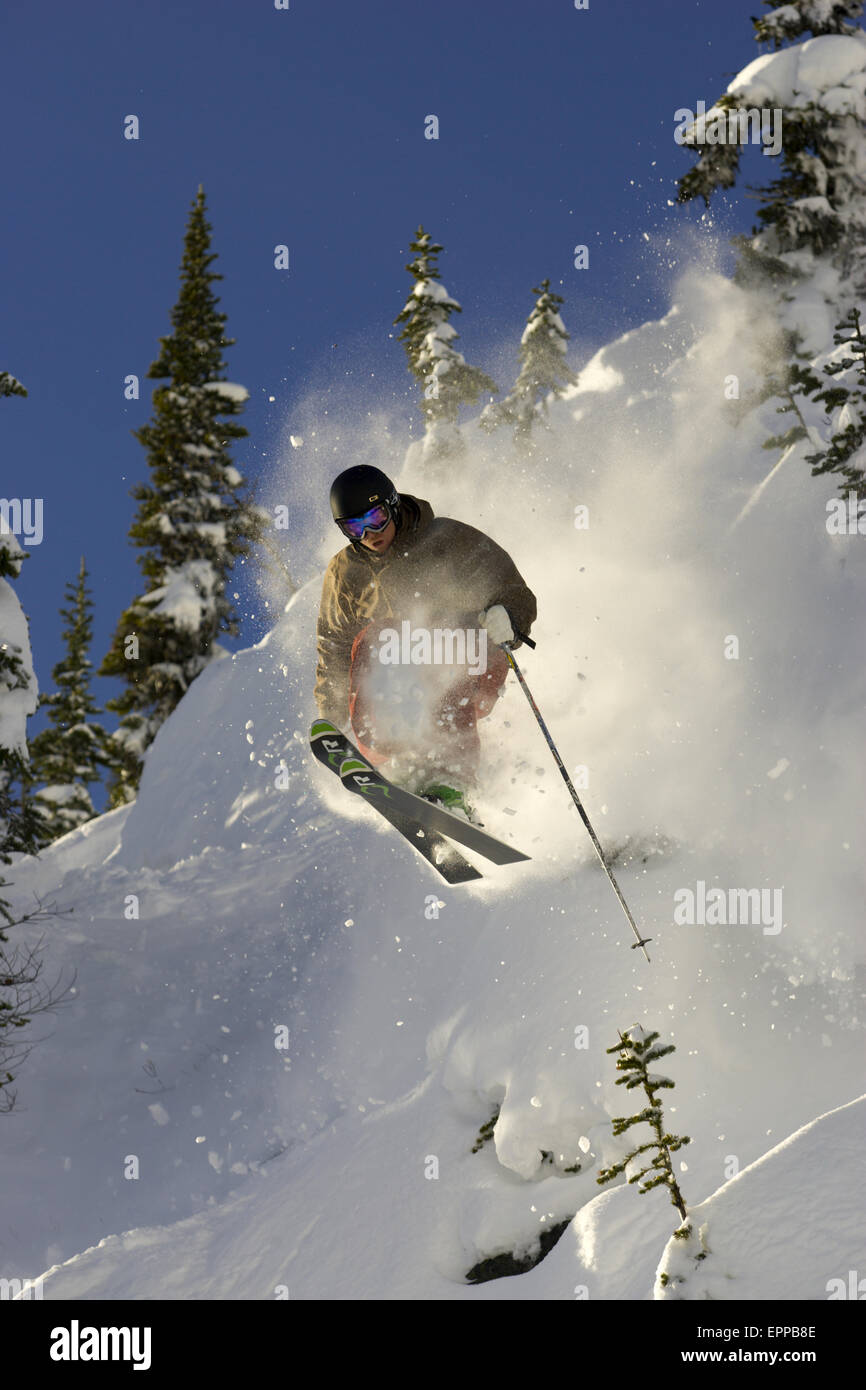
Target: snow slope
x,y
174,1141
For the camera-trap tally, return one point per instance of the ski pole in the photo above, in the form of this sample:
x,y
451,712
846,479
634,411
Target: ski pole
x,y
506,647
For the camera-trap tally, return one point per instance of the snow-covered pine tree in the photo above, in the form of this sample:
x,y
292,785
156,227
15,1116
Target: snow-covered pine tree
x,y
428,337
19,694
10,386
637,1050
193,522
816,207
18,699
793,381
798,385
787,22
544,371
70,753
846,408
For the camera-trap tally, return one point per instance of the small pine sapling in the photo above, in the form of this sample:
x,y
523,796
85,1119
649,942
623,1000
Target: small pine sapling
x,y
637,1050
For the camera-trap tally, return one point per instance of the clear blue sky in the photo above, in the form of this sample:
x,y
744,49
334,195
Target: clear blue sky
x,y
306,127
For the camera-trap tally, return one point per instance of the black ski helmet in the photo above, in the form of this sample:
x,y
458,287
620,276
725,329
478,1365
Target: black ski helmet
x,y
357,489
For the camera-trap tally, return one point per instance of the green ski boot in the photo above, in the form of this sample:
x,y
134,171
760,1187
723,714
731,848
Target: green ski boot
x,y
451,800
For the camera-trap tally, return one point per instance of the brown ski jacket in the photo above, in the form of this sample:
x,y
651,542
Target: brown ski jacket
x,y
436,572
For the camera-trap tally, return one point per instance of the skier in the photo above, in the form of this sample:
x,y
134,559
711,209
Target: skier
x,y
403,565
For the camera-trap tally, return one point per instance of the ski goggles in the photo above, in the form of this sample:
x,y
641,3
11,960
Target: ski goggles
x,y
376,519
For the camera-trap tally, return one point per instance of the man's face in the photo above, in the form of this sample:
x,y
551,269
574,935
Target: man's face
x,y
379,541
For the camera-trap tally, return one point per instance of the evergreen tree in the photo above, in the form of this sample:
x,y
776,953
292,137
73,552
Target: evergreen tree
x,y
428,337
787,22
18,695
20,998
193,521
637,1051
9,386
846,408
797,383
792,382
18,699
68,755
543,371
815,207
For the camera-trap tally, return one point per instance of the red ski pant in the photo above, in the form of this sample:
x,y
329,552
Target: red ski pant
x,y
449,742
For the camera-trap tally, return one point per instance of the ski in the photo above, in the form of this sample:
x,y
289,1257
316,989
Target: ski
x,y
387,797
333,749
360,777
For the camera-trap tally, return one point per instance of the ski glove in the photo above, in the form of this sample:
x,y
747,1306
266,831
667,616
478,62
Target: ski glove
x,y
498,624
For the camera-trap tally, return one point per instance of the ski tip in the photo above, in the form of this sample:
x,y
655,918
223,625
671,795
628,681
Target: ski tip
x,y
322,726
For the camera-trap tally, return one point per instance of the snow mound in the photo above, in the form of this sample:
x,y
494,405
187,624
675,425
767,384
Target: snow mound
x,y
223,761
786,1227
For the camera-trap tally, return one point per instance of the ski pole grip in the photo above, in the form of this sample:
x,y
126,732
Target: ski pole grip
x,y
523,638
